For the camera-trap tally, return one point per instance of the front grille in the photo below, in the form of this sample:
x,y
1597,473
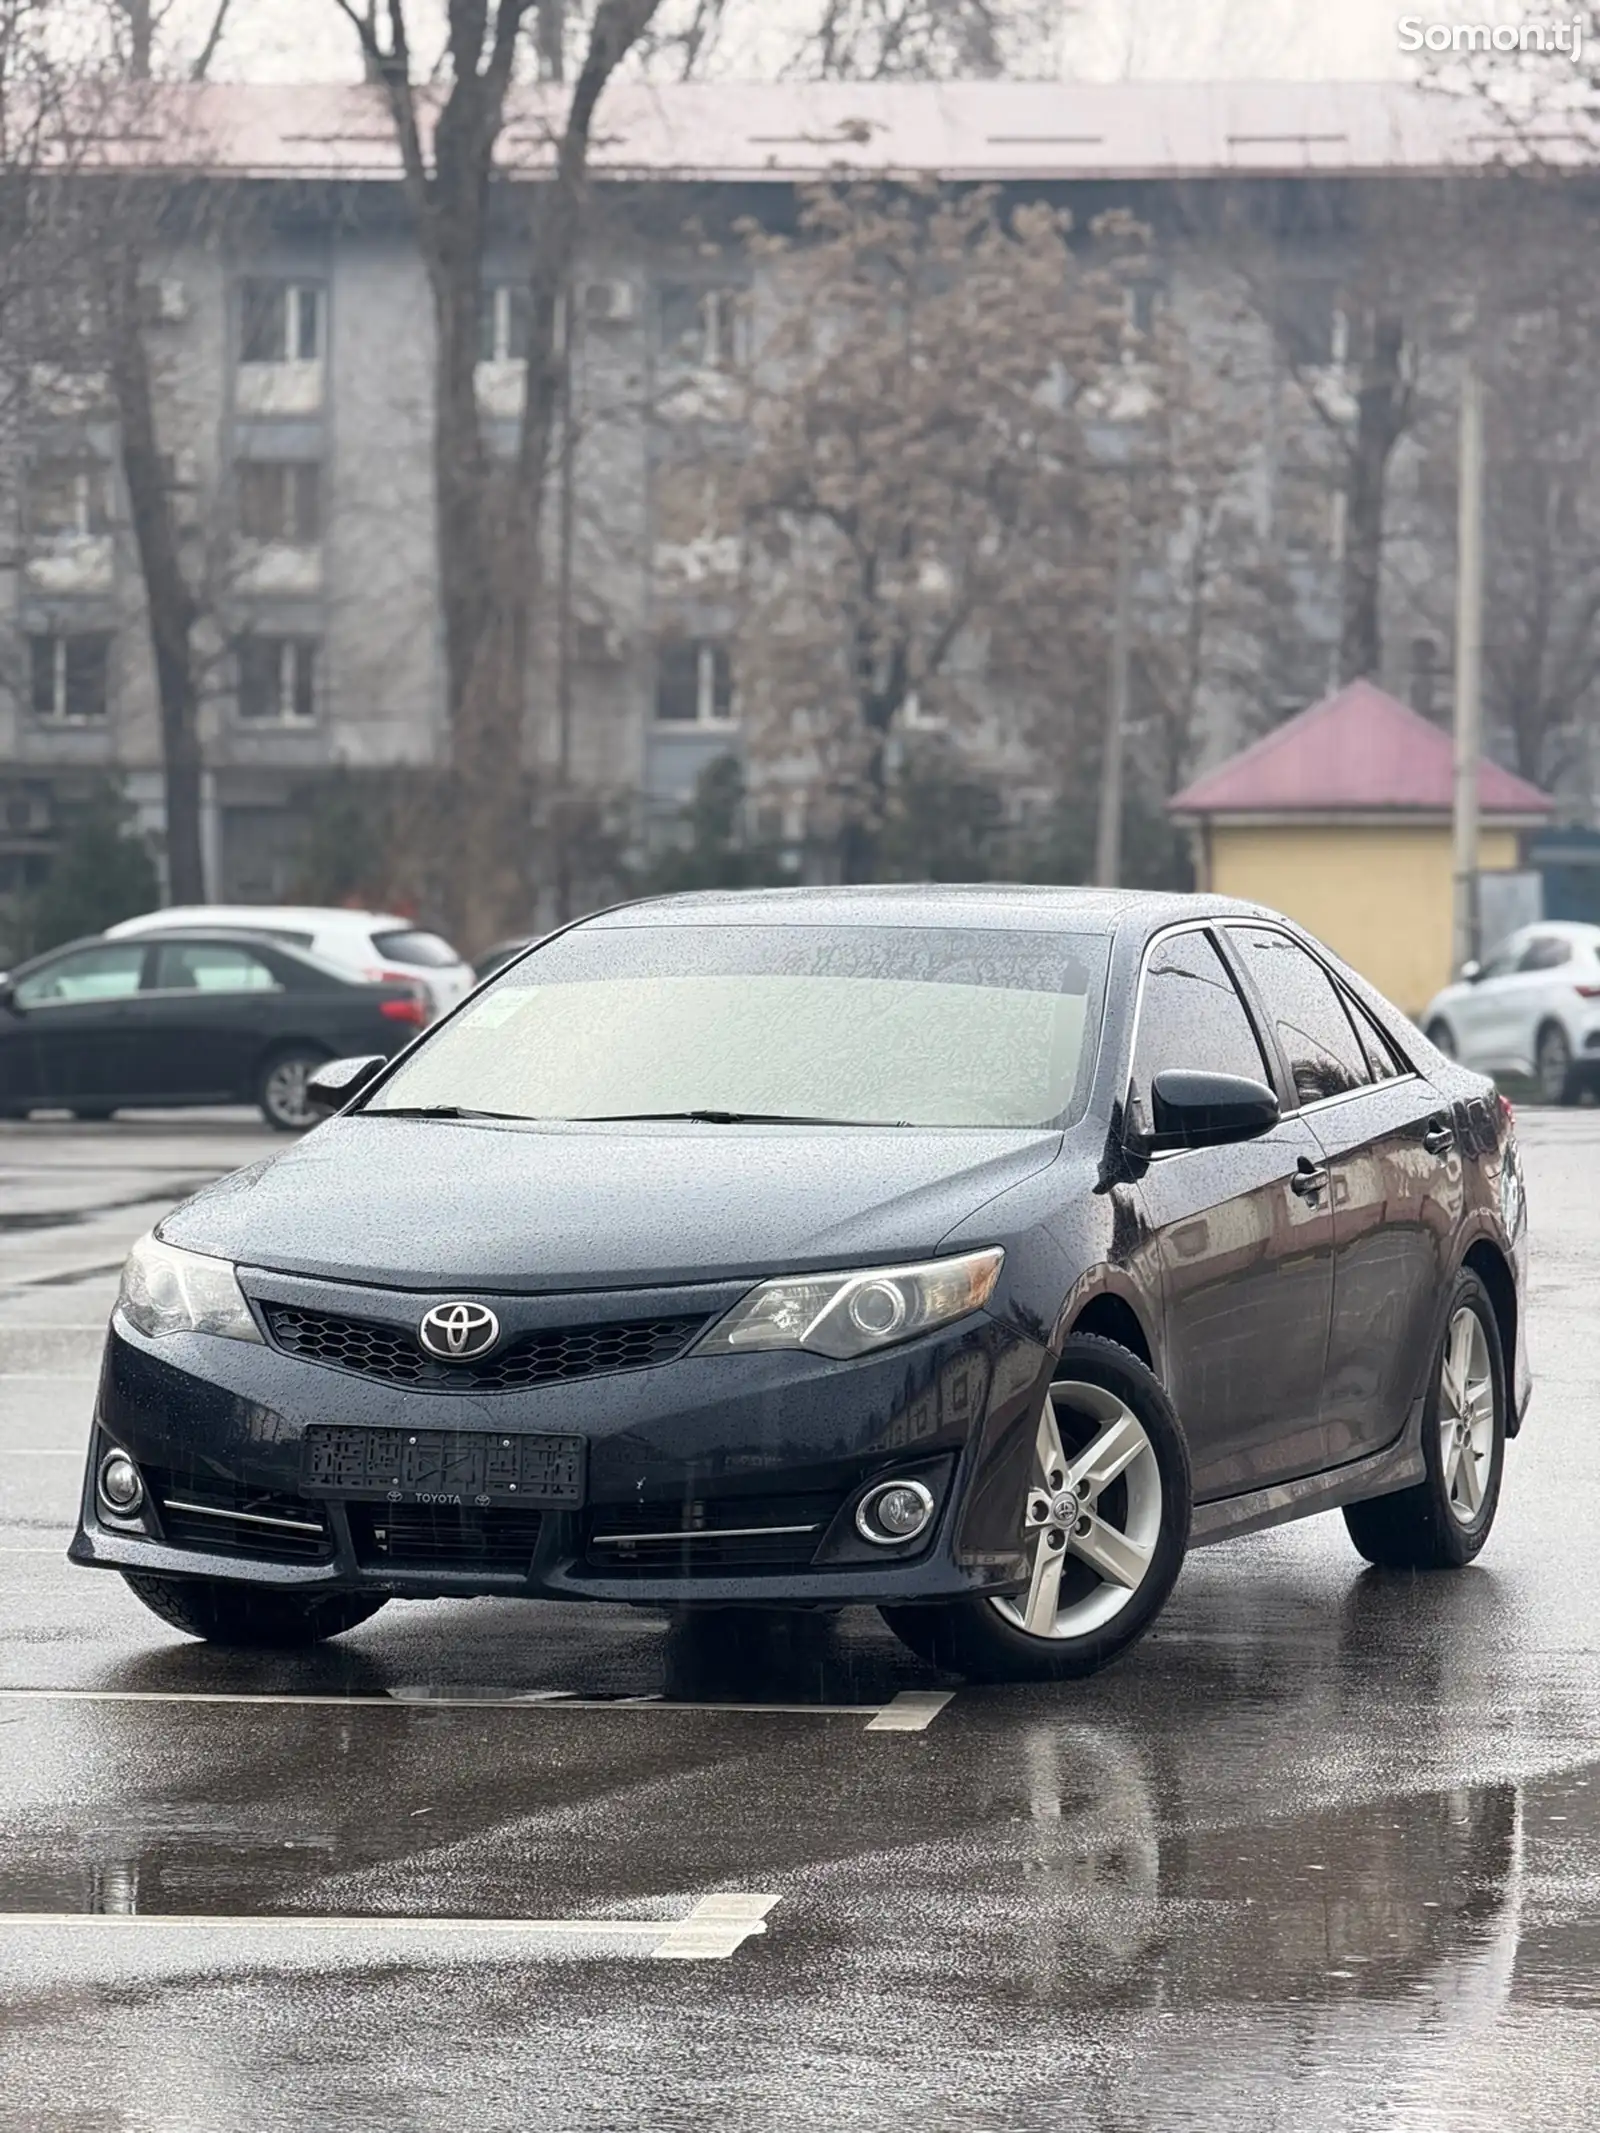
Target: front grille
x,y
371,1349
235,1519
708,1538
444,1537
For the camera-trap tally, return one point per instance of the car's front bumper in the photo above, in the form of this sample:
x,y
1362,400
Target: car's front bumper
x,y
697,1448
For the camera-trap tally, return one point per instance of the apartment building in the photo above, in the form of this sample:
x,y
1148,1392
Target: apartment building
x,y
292,358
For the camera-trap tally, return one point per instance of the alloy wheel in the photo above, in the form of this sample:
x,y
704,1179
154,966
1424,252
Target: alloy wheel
x,y
285,1092
1466,1416
1092,1516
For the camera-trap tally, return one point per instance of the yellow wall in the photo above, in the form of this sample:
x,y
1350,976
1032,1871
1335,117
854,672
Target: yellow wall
x,y
1379,896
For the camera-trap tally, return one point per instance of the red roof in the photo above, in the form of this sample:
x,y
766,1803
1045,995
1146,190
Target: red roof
x,y
1357,752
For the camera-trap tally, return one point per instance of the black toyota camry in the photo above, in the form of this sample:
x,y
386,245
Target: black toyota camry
x,y
965,1252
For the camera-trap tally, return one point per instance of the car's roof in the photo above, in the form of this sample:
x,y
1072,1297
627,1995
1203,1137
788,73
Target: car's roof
x,y
316,916
996,906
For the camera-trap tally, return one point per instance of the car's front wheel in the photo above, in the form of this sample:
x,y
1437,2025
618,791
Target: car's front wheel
x,y
252,1615
1443,1521
281,1091
1103,1522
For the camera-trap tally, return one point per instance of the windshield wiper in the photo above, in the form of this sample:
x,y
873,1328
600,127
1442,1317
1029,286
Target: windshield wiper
x,y
442,1111
732,1118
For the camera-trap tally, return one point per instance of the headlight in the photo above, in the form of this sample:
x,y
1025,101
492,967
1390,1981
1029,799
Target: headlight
x,y
167,1291
845,1315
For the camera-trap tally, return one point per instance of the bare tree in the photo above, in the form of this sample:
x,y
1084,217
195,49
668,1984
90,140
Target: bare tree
x,y
879,40
919,494
489,509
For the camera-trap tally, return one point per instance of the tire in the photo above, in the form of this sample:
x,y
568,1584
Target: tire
x,y
1097,1391
251,1615
91,1114
1423,1528
1443,1038
1552,1065
280,1091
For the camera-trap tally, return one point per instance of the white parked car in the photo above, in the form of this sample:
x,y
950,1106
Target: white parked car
x,y
1533,1008
375,944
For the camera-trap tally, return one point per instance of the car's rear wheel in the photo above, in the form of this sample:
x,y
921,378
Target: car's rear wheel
x,y
281,1091
1552,1066
1442,1037
1104,1522
253,1615
1443,1522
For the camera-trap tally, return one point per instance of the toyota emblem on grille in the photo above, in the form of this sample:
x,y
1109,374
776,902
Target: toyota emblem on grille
x,y
459,1331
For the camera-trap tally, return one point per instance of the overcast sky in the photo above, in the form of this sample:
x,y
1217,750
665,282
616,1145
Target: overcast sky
x,y
1100,40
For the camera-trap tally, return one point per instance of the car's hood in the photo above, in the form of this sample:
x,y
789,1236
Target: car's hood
x,y
433,1204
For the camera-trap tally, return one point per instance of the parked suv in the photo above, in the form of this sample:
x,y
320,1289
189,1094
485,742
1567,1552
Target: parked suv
x,y
374,945
1533,1008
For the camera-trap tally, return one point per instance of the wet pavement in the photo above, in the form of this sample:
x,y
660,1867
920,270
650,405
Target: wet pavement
x,y
1322,1853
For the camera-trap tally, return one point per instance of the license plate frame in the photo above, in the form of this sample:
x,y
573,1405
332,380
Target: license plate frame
x,y
475,1468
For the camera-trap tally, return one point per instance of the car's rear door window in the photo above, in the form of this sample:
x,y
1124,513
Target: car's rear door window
x,y
210,966
1191,1016
876,1025
1318,1039
1548,951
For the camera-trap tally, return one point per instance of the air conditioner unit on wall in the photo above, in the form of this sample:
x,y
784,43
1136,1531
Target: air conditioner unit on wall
x,y
609,303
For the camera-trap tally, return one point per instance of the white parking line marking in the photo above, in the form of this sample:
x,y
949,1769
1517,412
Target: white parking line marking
x,y
715,1928
912,1711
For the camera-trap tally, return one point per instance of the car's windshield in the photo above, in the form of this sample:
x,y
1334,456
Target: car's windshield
x,y
921,1026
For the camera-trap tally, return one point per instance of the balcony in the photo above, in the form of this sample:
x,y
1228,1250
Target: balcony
x,y
71,563
283,388
278,567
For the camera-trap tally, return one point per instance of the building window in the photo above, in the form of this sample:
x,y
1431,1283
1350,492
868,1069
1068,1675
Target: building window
x,y
503,323
280,500
281,322
71,676
278,681
694,683
69,499
708,328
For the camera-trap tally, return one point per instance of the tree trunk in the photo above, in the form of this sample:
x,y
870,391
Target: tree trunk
x,y
1381,397
169,603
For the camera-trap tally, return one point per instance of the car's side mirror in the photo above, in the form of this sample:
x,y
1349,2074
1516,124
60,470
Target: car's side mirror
x,y
1471,971
1191,1110
332,1086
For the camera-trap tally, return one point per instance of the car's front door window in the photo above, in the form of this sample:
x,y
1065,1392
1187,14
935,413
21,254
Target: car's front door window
x,y
1325,1057
1191,1015
89,975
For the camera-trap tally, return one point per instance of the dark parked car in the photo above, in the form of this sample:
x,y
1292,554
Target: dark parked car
x,y
966,1252
194,1018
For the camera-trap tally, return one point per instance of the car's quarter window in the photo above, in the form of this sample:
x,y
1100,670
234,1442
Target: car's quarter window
x,y
1304,1005
1384,1062
1545,952
109,973
426,950
881,1025
1191,1015
210,966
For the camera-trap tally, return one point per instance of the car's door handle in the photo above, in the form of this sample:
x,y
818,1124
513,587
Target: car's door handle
x,y
1440,1137
1309,1179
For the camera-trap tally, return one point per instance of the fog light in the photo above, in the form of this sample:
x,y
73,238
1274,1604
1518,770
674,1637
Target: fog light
x,y
121,1489
894,1511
